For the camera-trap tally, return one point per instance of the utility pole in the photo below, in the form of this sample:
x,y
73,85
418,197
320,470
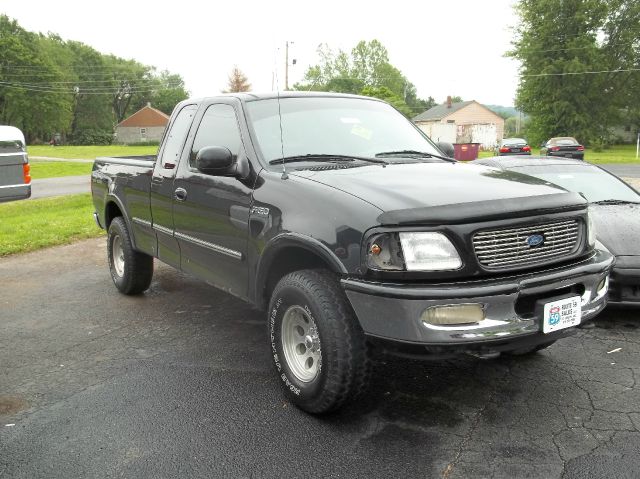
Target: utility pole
x,y
286,65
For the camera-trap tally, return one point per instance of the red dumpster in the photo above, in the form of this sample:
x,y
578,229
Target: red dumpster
x,y
466,151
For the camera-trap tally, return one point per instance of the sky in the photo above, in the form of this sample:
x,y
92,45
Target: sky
x,y
443,48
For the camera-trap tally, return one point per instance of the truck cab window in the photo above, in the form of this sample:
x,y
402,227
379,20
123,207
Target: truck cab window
x,y
219,127
177,136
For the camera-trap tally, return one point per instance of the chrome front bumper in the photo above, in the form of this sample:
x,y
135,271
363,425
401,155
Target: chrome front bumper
x,y
393,311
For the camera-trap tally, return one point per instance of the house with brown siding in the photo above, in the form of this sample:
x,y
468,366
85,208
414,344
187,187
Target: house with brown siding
x,y
147,124
462,122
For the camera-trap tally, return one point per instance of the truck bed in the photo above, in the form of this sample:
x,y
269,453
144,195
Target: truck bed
x,y
142,160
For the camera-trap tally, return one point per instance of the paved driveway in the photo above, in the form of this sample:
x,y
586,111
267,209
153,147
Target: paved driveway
x,y
178,383
65,185
628,170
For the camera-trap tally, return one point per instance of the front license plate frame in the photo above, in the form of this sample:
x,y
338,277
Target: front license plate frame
x,y
561,314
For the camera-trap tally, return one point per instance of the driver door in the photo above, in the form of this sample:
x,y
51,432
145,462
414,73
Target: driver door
x,y
211,213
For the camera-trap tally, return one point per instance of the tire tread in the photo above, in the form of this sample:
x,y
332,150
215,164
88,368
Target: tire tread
x,y
353,363
138,266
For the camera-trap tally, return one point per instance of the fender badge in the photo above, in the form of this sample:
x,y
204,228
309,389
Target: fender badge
x,y
259,211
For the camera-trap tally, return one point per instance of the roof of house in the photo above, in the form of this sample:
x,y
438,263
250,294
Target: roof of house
x,y
439,112
146,117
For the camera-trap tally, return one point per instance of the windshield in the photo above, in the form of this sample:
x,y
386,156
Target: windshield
x,y
592,182
332,126
514,141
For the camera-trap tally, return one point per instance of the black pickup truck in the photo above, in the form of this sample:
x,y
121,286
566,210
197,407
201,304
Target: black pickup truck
x,y
353,231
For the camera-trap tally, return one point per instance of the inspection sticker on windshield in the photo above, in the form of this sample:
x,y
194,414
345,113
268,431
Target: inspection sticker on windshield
x,y
561,314
361,131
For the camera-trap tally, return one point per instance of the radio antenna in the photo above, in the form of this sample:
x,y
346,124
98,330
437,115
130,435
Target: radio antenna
x,y
284,168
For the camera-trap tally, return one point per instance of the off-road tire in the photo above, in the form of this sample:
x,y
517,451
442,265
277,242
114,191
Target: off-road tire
x,y
137,271
345,366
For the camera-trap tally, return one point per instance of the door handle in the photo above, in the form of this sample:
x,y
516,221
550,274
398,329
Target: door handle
x,y
180,194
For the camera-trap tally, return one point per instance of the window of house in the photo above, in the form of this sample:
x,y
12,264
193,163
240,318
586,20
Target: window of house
x,y
143,132
451,121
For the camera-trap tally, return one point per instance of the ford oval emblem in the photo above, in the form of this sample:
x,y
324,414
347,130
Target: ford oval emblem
x,y
535,240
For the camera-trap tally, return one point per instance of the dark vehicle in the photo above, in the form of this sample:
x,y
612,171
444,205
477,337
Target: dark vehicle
x,y
15,173
614,205
342,220
564,146
513,146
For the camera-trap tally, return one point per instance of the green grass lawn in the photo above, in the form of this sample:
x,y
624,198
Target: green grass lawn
x,y
33,224
54,169
614,154
90,152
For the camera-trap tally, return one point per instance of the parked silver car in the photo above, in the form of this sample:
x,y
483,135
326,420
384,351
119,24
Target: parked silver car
x,y
613,205
15,174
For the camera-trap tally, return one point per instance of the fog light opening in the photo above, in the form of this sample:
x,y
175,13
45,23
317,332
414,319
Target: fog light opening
x,y
603,286
453,315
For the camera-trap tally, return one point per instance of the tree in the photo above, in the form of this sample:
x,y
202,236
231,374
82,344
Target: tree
x,y
50,86
366,68
30,95
171,91
558,42
621,48
238,81
383,93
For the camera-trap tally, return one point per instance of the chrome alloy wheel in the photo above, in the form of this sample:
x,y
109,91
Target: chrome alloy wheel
x,y
117,255
301,344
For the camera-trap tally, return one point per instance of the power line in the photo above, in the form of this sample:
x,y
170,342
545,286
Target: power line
x,y
89,91
550,50
562,35
33,66
73,85
580,73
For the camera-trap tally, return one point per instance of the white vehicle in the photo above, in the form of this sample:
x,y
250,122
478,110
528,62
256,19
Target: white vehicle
x,y
15,173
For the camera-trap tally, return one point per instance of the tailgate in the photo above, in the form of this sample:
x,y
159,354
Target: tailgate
x,y
12,160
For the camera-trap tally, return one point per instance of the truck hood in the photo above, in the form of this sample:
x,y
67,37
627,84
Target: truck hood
x,y
618,228
445,192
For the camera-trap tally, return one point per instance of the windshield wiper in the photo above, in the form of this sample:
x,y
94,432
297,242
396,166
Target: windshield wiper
x,y
615,202
412,153
325,157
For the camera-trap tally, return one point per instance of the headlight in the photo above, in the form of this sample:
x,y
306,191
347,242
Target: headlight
x,y
429,252
591,231
412,252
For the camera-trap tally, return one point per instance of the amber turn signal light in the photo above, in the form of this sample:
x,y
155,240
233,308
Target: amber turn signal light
x,y
26,173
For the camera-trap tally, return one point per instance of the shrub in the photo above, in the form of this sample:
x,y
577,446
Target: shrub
x,y
91,137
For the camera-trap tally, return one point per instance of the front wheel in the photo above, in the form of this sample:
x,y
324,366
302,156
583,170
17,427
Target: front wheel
x,y
131,270
318,347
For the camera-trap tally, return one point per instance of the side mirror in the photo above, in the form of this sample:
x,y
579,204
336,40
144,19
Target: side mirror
x,y
215,160
446,148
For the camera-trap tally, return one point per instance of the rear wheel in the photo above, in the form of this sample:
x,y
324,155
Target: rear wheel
x,y
318,347
131,270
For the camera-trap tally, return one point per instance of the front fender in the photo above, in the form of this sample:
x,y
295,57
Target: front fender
x,y
291,240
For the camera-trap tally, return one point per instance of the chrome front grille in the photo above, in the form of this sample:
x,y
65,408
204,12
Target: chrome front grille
x,y
509,248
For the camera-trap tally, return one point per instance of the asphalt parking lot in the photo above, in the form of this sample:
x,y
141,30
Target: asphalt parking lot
x,y
178,382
